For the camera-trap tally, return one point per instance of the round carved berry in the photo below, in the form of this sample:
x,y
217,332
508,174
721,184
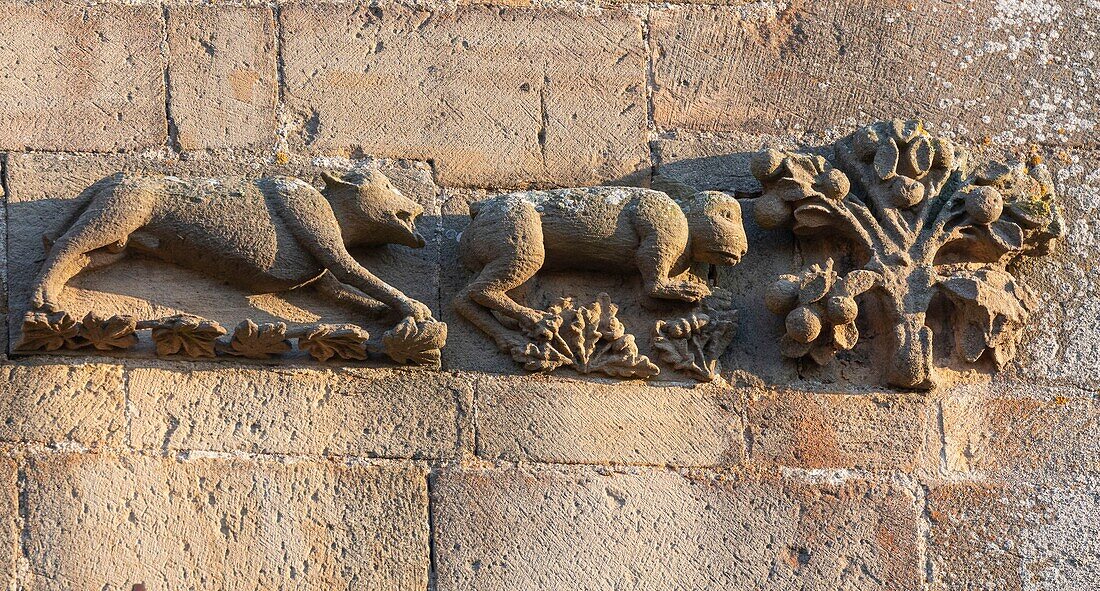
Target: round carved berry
x,y
833,184
764,164
782,296
984,204
841,310
771,211
803,324
905,192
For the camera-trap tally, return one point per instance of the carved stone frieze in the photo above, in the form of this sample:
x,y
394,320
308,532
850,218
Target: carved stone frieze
x,y
617,230
921,219
264,235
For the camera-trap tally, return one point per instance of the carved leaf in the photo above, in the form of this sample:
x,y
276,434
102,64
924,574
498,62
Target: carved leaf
x,y
258,341
693,344
105,334
44,331
857,282
187,335
345,341
810,217
991,310
415,342
540,357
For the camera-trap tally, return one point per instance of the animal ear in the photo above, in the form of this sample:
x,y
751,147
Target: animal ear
x,y
377,178
334,182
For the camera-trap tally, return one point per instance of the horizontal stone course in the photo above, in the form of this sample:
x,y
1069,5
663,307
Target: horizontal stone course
x,y
219,524
1021,72
348,412
493,96
81,77
62,401
650,529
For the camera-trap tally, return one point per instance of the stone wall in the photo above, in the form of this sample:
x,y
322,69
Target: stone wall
x,y
132,473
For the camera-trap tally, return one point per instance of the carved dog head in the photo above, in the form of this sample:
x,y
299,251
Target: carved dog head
x,y
371,210
714,227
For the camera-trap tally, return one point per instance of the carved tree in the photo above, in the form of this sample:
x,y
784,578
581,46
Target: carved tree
x,y
922,220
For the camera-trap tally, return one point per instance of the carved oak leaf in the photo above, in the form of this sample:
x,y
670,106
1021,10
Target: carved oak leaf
x,y
258,341
328,340
44,331
105,334
415,342
990,309
187,335
693,344
591,339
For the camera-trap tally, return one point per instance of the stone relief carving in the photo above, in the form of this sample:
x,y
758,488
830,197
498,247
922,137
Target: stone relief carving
x,y
512,237
922,220
266,235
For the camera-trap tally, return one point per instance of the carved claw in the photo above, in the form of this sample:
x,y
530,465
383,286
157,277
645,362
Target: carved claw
x,y
42,300
416,310
541,326
687,291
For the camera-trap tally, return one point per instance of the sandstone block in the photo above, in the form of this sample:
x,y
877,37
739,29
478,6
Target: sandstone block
x,y
1034,437
583,529
161,523
9,521
222,76
56,401
45,196
889,431
494,96
1018,72
571,421
344,412
81,77
1015,537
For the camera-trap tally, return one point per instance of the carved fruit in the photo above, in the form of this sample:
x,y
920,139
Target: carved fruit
x,y
886,160
918,158
782,296
984,204
803,324
841,310
771,211
764,164
834,184
865,142
905,192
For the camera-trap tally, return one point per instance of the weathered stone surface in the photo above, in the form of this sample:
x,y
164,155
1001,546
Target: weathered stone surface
x,y
44,190
343,412
223,524
556,420
9,521
58,401
494,96
81,77
222,77
581,529
887,431
1020,71
1031,436
1015,537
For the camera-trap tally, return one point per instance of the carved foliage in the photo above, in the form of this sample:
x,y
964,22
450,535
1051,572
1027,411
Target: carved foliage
x,y
590,339
922,220
694,343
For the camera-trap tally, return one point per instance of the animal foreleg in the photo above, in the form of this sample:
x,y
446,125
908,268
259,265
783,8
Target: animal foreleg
x,y
341,293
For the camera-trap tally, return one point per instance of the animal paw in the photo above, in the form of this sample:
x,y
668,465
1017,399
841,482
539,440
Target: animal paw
x,y
416,310
541,326
44,300
687,291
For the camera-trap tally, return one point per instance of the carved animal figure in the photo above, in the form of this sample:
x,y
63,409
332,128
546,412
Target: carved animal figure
x,y
614,229
265,235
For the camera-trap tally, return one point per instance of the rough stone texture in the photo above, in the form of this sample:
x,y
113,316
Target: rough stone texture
x,y
1024,71
572,421
581,529
886,431
494,96
349,412
42,198
222,76
62,401
9,520
1015,537
223,524
81,77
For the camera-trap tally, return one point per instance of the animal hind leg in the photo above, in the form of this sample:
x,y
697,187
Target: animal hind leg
x,y
490,290
109,220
